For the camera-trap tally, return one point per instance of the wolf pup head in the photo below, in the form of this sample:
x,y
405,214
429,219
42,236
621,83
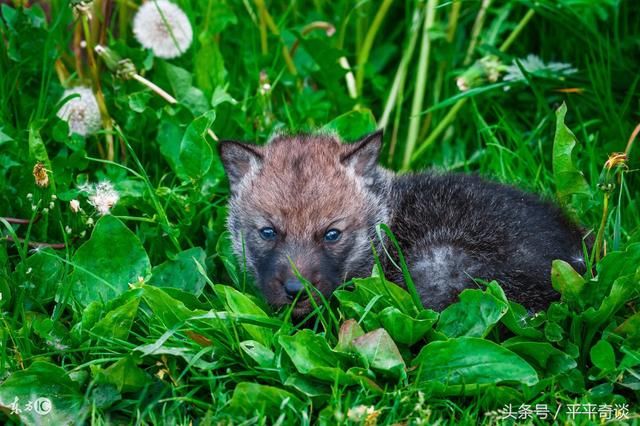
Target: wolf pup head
x,y
309,201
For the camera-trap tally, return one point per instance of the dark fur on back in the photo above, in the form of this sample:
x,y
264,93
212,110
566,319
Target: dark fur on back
x,y
451,228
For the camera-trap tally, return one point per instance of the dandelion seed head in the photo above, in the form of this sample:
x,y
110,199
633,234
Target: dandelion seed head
x,y
103,197
164,28
81,113
74,205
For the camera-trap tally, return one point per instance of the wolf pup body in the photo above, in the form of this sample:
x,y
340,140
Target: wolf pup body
x,y
314,201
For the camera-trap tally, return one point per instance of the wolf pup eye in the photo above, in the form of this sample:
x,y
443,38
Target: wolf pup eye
x,y
268,233
332,235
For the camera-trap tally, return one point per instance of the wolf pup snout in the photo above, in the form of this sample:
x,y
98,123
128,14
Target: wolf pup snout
x,y
310,204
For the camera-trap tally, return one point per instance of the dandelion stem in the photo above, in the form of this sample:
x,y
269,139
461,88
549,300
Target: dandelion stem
x,y
451,115
102,105
603,223
419,92
632,138
517,30
475,31
167,97
368,42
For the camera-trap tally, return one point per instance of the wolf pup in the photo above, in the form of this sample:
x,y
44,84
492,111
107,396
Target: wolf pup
x,y
315,201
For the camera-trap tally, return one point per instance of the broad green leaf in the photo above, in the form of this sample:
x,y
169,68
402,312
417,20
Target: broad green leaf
x,y
117,323
467,363
125,375
262,355
474,315
196,154
239,303
224,248
255,399
381,352
181,84
569,180
621,291
548,360
311,355
105,265
553,332
48,388
209,62
44,271
392,295
352,125
167,309
349,330
169,135
181,272
566,281
602,356
516,318
406,329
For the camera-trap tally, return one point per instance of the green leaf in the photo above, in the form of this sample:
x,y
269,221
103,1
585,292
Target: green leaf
x,y
117,323
170,311
553,332
474,315
602,356
45,272
381,352
404,328
239,303
46,386
196,154
352,125
466,364
252,398
569,180
349,330
262,355
548,360
125,375
311,355
105,265
516,318
181,272
566,281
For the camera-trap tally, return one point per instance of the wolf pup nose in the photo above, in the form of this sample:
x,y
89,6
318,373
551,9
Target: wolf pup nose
x,y
313,202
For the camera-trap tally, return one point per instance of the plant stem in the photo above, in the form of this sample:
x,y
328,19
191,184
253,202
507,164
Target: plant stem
x,y
475,31
102,105
401,73
363,56
451,115
164,95
517,30
603,223
418,94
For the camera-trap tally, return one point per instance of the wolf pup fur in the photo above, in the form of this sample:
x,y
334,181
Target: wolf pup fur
x,y
315,201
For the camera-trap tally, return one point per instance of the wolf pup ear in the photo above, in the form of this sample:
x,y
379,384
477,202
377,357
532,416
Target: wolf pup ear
x,y
363,155
239,159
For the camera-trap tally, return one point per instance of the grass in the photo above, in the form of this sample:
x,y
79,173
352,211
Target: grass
x,y
143,316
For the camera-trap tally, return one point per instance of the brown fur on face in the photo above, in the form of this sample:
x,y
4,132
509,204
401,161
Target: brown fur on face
x,y
303,186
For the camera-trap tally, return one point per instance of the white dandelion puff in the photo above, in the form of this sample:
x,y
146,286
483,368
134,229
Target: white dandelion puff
x,y
102,196
81,113
532,64
74,205
164,28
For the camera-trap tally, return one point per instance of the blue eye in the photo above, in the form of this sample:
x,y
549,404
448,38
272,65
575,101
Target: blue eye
x,y
268,233
332,235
